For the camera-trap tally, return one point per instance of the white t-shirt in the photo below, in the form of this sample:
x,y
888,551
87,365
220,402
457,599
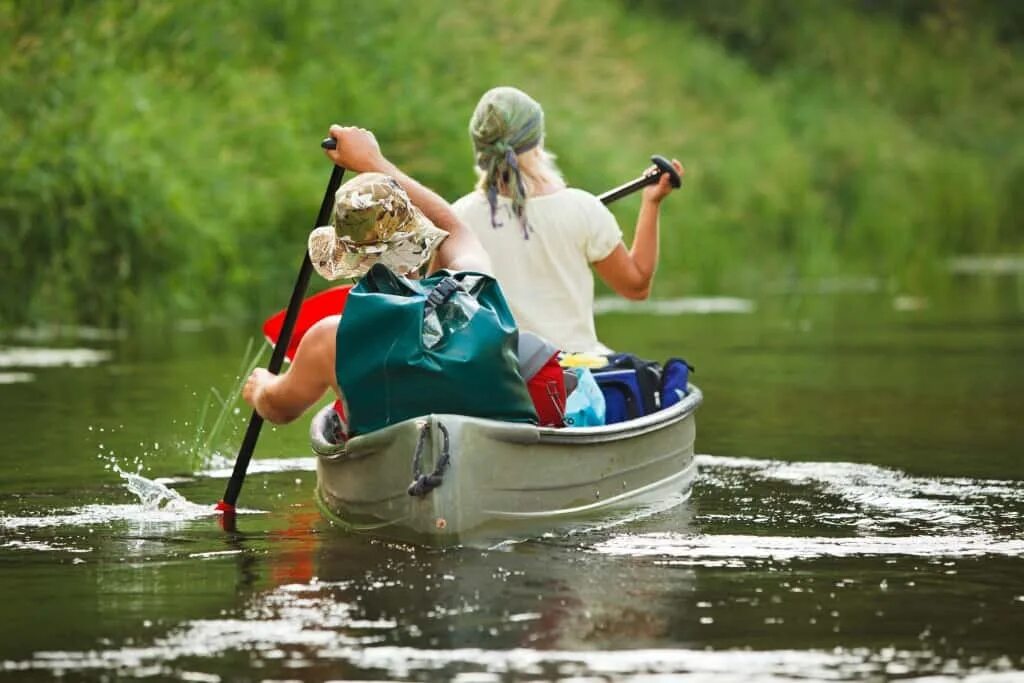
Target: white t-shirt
x,y
547,278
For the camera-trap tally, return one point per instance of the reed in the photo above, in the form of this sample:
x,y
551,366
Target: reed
x,y
207,439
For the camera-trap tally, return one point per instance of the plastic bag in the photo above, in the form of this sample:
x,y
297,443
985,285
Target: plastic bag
x,y
585,405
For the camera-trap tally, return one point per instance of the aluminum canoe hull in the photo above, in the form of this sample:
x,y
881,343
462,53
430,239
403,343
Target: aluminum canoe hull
x,y
504,479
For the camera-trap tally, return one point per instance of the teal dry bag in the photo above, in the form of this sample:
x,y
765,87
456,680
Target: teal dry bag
x,y
443,344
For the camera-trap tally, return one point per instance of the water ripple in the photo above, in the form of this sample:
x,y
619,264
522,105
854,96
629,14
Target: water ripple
x,y
737,550
870,497
28,357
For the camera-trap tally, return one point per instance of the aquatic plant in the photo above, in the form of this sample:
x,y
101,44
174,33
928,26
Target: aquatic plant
x,y
208,438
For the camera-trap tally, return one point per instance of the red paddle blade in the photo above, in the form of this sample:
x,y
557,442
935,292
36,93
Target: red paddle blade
x,y
314,309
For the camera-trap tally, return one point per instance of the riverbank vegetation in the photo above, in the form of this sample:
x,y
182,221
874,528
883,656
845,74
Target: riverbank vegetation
x,y
161,159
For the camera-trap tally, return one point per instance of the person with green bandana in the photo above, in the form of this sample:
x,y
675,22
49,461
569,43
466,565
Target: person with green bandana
x,y
544,236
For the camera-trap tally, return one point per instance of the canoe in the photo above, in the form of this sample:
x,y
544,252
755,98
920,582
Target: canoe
x,y
495,480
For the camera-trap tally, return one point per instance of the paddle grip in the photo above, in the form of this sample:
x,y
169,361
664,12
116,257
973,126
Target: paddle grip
x,y
665,166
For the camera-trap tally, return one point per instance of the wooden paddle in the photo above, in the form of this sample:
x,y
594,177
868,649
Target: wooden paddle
x,y
332,301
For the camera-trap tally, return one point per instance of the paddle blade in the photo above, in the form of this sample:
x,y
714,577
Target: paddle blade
x,y
314,309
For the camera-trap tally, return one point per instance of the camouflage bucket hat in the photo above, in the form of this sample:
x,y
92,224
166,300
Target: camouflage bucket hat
x,y
373,221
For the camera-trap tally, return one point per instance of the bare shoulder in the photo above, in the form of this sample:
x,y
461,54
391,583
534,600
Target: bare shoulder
x,y
323,333
318,344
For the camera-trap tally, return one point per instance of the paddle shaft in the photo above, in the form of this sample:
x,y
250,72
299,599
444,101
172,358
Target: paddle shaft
x,y
252,433
663,166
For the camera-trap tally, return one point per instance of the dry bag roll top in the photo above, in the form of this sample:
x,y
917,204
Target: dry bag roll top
x,y
443,344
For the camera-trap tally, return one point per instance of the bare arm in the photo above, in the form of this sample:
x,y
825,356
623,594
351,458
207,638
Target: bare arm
x,y
630,273
358,150
283,398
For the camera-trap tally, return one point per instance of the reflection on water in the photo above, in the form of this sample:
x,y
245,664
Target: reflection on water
x,y
757,546
860,519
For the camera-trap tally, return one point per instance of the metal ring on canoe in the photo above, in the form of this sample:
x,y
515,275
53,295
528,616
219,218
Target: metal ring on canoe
x,y
422,484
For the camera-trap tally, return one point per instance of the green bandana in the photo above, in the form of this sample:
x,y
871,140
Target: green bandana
x,y
507,122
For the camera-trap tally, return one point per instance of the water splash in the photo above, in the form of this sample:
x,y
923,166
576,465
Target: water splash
x,y
158,504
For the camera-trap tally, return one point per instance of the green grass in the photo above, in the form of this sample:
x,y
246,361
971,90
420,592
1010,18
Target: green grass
x,y
160,158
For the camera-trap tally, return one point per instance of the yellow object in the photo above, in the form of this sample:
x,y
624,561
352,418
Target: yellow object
x,y
583,360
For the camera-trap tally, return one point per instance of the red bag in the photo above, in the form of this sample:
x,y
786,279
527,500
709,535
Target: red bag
x,y
547,389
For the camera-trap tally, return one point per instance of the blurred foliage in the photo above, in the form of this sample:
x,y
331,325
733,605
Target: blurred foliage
x,y
160,158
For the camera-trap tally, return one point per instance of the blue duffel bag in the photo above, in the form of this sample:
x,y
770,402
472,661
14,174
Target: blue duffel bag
x,y
634,387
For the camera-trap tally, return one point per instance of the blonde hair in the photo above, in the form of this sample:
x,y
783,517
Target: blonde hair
x,y
537,169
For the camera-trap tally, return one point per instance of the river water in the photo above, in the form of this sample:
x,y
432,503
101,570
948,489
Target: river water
x,y
857,514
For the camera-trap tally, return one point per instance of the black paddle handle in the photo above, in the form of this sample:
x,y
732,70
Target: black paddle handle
x,y
662,165
252,432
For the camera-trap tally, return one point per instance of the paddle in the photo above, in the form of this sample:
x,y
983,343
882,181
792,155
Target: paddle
x,y
332,301
252,433
662,165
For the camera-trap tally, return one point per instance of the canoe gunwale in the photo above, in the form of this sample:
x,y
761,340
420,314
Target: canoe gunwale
x,y
508,432
624,430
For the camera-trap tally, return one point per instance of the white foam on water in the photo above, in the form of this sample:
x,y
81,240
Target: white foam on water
x,y
739,550
948,517
221,467
988,264
40,546
669,307
840,284
944,503
16,377
906,303
32,357
47,333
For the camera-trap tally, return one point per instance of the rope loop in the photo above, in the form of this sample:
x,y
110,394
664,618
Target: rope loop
x,y
422,484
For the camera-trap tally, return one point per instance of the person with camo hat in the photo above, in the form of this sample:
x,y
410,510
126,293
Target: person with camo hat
x,y
543,236
383,216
